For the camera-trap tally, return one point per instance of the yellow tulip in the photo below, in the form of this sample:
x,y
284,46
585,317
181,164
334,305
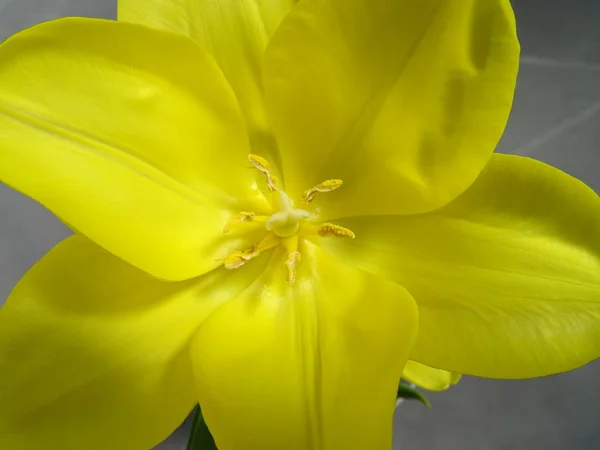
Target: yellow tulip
x,y
263,195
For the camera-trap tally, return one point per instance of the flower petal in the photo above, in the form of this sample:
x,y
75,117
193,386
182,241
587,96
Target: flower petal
x,y
130,135
311,366
93,352
429,378
506,277
235,33
403,99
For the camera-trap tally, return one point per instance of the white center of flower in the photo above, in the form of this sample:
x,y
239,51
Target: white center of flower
x,y
286,221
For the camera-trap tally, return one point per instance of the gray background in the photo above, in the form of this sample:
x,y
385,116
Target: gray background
x,y
556,118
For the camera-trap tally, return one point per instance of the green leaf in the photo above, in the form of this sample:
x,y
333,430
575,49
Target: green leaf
x,y
200,437
411,393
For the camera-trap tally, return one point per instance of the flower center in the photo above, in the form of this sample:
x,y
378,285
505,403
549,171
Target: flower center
x,y
287,226
286,222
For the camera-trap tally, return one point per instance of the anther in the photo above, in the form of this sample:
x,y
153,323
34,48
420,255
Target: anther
x,y
263,166
325,186
238,259
330,229
291,262
240,218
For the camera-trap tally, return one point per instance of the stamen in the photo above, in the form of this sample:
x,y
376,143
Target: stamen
x,y
330,229
268,242
237,259
240,218
260,163
272,182
325,186
294,256
293,259
263,165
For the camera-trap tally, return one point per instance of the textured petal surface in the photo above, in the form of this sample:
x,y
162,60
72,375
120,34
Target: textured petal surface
x,y
130,135
235,33
506,277
94,352
428,377
315,366
403,99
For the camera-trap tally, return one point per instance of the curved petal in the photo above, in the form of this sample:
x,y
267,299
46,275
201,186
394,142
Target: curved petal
x,y
93,352
120,131
506,277
429,378
315,366
235,33
403,100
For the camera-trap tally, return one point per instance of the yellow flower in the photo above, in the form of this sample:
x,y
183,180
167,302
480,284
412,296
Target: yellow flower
x,y
219,258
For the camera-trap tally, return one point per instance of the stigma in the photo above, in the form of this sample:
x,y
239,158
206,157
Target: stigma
x,y
286,221
288,225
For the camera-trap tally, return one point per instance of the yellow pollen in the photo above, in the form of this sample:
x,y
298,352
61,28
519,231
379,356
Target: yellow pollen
x,y
330,229
294,256
240,218
325,186
263,166
260,163
293,259
237,259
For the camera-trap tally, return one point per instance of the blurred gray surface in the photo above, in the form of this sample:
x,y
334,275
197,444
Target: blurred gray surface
x,y
556,118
